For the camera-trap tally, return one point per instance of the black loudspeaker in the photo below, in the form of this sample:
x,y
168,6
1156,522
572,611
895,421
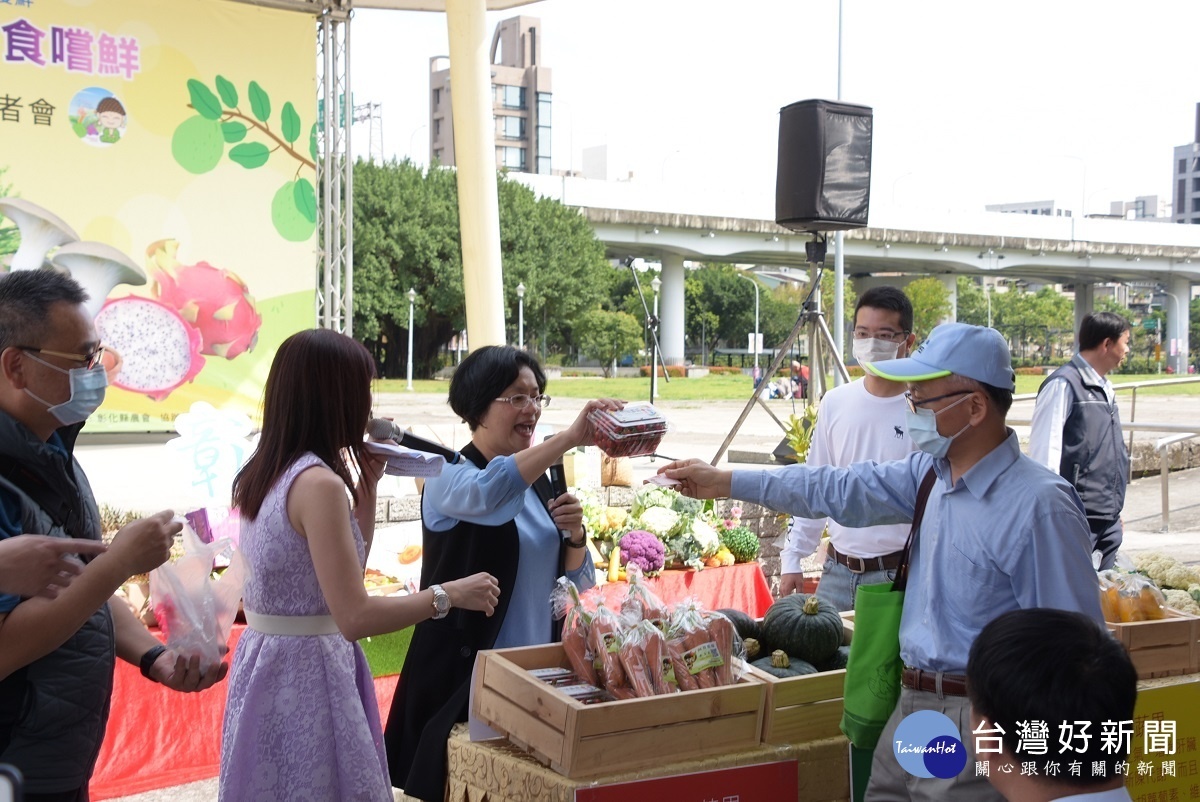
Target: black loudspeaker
x,y
823,182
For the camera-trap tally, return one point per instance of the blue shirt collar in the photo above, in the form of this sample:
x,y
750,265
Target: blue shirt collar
x,y
984,473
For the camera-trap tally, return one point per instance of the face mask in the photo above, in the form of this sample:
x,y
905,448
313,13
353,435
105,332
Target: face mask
x,y
875,350
87,393
922,428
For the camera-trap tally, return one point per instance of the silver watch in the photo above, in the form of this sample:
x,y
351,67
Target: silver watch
x,y
441,602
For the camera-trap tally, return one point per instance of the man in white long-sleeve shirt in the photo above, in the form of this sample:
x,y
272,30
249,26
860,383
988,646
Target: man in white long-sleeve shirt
x,y
863,420
1077,428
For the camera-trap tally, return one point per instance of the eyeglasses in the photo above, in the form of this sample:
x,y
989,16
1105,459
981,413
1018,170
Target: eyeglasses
x,y
913,405
89,360
521,401
887,334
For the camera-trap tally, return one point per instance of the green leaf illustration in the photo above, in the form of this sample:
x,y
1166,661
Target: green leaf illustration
x,y
312,142
233,131
306,199
204,101
291,122
260,102
229,94
250,154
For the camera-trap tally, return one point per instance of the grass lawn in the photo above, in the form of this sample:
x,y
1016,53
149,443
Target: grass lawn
x,y
724,387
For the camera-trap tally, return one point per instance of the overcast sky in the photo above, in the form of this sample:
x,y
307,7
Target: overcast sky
x,y
975,101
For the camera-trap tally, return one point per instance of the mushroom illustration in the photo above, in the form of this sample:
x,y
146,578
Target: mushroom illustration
x,y
98,268
41,232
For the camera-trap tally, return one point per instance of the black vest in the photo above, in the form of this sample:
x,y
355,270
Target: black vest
x,y
53,711
1094,457
434,686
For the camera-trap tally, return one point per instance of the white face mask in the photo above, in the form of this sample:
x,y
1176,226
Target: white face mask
x,y
875,350
922,428
87,393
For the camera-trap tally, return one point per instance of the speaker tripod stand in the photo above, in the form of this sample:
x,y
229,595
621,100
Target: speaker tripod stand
x,y
823,358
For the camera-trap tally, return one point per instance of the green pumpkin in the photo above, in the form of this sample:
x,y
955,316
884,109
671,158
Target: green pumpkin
x,y
779,664
804,626
746,626
838,661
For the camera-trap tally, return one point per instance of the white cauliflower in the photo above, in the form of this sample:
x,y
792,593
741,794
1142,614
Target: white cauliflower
x,y
1181,601
659,521
707,537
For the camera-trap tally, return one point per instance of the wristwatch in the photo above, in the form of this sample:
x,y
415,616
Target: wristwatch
x,y
148,659
441,602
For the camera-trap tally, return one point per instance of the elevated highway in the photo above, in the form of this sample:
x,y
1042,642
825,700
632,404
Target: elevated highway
x,y
671,227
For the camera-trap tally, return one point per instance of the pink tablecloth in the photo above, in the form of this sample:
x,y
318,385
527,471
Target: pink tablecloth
x,y
739,587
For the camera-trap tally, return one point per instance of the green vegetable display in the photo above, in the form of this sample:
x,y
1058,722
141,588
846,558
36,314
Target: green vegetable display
x,y
742,543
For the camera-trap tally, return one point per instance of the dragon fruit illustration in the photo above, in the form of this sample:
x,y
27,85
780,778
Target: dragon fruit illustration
x,y
215,301
159,349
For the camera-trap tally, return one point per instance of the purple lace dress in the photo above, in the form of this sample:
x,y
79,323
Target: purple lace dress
x,y
301,721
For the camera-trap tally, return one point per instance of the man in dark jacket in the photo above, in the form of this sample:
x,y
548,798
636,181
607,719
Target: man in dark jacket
x,y
57,650
1077,429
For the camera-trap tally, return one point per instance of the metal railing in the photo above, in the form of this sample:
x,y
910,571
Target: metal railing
x,y
1163,446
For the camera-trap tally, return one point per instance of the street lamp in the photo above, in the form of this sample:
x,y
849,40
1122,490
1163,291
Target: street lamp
x,y
521,316
988,289
412,300
755,283
655,284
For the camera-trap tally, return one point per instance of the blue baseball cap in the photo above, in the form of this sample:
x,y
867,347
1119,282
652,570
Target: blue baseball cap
x,y
976,352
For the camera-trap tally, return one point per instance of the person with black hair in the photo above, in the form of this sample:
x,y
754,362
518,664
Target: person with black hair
x,y
58,649
862,420
1050,666
491,511
1076,429
302,720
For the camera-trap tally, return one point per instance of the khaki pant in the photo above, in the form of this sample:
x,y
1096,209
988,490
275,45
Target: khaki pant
x,y
890,782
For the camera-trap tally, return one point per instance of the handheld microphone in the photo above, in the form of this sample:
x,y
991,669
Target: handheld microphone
x,y
558,483
384,429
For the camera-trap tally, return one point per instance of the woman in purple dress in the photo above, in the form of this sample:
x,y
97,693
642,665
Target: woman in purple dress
x,y
302,720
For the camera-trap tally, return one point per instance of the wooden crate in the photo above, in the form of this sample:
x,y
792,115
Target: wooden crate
x,y
578,740
1164,648
807,708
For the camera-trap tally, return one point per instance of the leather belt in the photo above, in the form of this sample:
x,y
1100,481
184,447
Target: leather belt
x,y
928,681
861,565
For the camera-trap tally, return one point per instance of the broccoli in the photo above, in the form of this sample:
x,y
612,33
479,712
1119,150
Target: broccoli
x,y
742,543
641,548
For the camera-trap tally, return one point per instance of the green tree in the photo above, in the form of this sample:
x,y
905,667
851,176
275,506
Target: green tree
x,y
608,336
972,304
407,236
931,304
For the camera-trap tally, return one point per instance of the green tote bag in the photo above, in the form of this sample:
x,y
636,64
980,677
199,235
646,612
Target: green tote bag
x,y
874,667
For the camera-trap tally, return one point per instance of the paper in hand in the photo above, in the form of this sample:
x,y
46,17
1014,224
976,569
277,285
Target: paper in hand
x,y
662,480
403,462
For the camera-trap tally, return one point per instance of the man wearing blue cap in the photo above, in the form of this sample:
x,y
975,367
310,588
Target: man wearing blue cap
x,y
1000,532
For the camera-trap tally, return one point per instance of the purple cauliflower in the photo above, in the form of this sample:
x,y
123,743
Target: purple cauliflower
x,y
644,550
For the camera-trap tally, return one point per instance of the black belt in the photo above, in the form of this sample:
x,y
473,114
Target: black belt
x,y
860,565
918,680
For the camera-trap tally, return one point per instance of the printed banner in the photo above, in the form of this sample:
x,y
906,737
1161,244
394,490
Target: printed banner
x,y
182,135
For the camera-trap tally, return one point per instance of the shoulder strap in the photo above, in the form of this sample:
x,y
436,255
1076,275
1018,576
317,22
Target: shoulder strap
x,y
901,581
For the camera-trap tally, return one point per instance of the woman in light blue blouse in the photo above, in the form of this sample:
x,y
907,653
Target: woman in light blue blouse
x,y
490,511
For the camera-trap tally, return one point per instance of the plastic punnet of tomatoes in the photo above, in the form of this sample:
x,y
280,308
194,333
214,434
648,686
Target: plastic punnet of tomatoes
x,y
633,431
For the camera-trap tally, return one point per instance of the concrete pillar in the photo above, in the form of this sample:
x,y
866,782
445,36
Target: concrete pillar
x,y
475,156
1176,346
950,282
1085,303
670,308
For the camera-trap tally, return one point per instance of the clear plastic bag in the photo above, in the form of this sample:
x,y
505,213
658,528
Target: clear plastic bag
x,y
195,609
565,603
1125,598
